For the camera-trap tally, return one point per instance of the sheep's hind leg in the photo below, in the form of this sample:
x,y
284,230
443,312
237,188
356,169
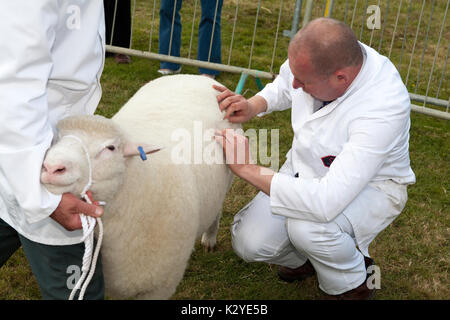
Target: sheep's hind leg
x,y
209,237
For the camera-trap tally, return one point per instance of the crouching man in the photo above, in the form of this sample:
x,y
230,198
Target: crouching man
x,y
346,175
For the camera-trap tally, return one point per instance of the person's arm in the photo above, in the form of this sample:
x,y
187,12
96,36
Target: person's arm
x,y
258,176
277,94
27,36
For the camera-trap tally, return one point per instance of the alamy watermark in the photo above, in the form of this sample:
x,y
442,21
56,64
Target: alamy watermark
x,y
373,277
73,21
374,18
74,273
199,146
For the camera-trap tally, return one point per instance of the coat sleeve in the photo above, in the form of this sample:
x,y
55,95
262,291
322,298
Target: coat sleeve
x,y
28,33
277,93
372,138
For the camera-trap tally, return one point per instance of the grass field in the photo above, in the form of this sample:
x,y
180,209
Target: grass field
x,y
413,252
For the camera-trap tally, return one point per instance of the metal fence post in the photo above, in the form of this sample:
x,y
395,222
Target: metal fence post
x,y
241,83
308,12
295,20
329,9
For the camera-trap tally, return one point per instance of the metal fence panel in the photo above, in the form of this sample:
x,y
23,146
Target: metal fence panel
x,y
412,33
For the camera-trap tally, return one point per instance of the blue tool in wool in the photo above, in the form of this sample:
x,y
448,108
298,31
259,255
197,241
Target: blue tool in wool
x,y
142,153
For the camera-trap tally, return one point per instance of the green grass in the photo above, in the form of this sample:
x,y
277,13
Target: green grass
x,y
413,252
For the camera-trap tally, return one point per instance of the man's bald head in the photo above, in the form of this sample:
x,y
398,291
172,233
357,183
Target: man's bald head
x,y
329,44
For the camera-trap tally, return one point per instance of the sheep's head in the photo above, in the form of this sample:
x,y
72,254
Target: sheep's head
x,y
66,164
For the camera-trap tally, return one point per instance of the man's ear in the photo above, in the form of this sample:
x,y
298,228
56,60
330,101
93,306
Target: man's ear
x,y
132,149
342,76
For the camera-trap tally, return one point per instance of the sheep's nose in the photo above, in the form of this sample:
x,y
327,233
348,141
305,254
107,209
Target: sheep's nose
x,y
54,169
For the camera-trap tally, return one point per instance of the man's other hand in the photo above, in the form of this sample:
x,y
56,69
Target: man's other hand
x,y
68,211
237,108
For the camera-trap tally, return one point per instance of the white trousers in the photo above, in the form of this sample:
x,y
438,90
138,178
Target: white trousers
x,y
260,236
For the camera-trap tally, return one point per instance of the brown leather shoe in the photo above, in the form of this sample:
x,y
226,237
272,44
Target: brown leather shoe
x,y
122,58
362,292
301,273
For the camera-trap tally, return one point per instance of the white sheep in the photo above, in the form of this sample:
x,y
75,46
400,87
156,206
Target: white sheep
x,y
155,209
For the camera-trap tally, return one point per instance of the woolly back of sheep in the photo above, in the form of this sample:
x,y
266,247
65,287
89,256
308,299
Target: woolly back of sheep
x,y
170,103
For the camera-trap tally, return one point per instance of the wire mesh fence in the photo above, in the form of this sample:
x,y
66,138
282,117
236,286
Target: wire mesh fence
x,y
255,36
414,35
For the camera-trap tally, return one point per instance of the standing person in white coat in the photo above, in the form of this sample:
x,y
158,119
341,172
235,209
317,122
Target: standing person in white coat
x,y
346,175
51,60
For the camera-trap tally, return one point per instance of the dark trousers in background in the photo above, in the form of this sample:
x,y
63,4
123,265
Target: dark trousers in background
x,y
122,24
53,266
205,30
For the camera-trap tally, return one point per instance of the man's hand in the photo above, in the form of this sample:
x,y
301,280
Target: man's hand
x,y
237,108
237,153
236,150
68,211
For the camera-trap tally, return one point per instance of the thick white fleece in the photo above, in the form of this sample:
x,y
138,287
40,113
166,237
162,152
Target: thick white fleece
x,y
160,208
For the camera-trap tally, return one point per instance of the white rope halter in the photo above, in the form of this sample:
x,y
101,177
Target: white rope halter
x,y
88,223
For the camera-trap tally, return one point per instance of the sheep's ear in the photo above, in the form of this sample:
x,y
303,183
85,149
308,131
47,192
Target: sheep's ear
x,y
132,149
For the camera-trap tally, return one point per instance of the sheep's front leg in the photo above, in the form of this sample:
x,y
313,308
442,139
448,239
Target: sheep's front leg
x,y
209,237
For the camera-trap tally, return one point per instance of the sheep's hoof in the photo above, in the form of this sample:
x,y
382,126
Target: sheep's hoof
x,y
209,245
209,248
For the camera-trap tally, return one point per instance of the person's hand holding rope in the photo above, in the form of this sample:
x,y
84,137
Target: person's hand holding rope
x,y
68,211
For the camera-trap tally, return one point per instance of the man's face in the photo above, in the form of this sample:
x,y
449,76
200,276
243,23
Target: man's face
x,y
319,87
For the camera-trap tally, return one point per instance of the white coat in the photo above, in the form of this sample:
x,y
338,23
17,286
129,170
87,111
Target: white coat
x,y
359,138
51,60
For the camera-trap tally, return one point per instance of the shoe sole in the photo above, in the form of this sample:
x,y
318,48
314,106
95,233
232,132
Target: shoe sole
x,y
169,72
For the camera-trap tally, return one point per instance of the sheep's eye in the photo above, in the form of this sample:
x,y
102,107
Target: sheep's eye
x,y
112,148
